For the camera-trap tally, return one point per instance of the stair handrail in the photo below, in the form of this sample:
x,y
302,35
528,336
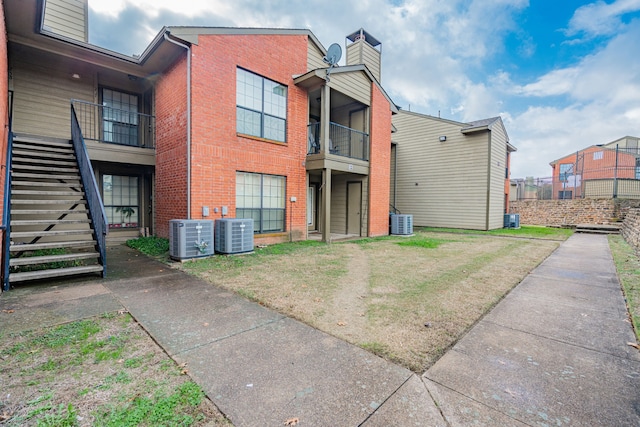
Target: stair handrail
x,y
94,202
6,212
6,215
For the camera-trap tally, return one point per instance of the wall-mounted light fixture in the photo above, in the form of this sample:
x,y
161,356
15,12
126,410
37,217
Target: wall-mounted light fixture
x,y
75,76
443,138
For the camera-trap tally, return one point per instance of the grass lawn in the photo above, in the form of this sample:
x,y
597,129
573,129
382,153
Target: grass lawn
x,y
525,231
407,299
628,266
103,371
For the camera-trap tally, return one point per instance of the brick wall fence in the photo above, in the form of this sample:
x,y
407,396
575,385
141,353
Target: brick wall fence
x,y
631,228
572,212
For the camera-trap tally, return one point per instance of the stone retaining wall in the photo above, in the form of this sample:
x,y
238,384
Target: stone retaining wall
x,y
572,212
631,228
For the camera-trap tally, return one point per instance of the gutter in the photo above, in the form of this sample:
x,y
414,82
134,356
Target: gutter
x,y
188,48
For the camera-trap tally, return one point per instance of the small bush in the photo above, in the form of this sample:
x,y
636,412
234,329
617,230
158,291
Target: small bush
x,y
152,245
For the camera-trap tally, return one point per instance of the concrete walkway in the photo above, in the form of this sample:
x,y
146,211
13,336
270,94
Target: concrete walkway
x,y
553,352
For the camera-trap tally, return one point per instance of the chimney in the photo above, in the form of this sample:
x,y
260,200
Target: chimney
x,y
363,48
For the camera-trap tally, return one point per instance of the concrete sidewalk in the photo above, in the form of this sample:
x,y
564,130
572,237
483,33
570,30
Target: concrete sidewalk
x,y
553,352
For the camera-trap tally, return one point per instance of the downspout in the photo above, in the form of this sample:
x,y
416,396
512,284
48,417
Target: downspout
x,y
188,120
489,167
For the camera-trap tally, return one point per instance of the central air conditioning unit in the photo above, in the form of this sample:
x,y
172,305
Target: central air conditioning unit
x,y
511,220
234,235
401,224
190,238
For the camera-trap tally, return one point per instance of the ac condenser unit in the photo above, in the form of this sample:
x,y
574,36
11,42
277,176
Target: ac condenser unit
x,y
190,238
234,235
401,224
511,220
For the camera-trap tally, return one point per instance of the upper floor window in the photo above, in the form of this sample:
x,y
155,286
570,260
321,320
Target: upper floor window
x,y
119,117
261,106
566,171
598,155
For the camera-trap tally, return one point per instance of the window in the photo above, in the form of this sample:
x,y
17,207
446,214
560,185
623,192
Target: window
x,y
637,167
119,117
598,155
261,197
565,194
120,197
261,106
566,171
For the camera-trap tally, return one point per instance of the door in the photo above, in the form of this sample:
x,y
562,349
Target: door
x,y
357,143
311,207
354,205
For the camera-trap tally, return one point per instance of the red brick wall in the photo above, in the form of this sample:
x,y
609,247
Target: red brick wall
x,y
217,152
171,147
379,164
4,110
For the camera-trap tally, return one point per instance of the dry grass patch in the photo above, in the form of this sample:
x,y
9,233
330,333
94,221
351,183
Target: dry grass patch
x,y
406,299
104,371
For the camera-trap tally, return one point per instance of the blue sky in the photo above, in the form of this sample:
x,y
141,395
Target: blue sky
x,y
562,74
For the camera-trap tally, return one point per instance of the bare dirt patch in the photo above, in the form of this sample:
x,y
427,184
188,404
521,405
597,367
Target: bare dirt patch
x,y
406,299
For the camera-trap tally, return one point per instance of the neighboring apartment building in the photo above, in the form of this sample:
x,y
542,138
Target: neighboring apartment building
x,y
606,170
451,174
205,123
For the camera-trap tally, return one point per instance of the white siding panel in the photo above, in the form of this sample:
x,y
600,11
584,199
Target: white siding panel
x,y
443,184
67,18
355,85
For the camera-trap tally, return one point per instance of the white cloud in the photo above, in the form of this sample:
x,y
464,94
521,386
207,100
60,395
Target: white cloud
x,y
600,18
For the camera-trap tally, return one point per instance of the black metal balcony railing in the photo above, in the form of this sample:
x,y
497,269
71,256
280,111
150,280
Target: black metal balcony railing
x,y
115,126
343,141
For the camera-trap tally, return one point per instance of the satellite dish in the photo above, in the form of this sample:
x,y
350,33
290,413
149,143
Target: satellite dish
x,y
334,53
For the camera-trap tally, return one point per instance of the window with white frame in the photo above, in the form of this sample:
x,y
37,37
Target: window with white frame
x,y
261,106
262,198
598,155
121,201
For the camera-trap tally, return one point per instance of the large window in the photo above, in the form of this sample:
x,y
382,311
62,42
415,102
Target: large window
x,y
119,117
261,197
261,106
121,201
566,171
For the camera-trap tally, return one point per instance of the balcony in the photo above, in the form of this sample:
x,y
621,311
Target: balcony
x,y
343,141
115,126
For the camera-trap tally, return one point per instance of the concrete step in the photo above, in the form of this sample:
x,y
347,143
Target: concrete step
x,y
58,212
47,202
31,260
57,272
20,183
50,233
47,193
19,153
47,169
49,221
46,162
53,245
598,228
66,177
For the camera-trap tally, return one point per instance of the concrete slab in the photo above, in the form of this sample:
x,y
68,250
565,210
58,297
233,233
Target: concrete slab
x,y
584,276
285,369
540,381
567,292
182,312
411,405
461,410
40,306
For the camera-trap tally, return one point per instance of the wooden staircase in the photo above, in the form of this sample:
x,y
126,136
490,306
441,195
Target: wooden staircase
x,y
51,230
